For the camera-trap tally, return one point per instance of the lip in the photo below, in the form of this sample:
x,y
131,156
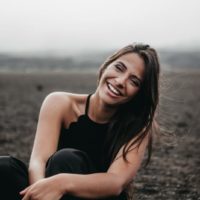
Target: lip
x,y
112,93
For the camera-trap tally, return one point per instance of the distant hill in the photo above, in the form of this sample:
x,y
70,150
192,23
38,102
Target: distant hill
x,y
180,59
89,61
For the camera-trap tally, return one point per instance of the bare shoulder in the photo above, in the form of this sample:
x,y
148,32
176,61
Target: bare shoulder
x,y
69,105
60,98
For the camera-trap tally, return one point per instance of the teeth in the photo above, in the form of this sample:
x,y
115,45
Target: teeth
x,y
113,89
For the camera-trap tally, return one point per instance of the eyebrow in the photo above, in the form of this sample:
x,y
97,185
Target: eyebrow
x,y
133,75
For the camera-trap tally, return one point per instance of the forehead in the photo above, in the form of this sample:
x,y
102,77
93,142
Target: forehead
x,y
133,62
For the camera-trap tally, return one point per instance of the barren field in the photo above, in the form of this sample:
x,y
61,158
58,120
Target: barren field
x,y
174,171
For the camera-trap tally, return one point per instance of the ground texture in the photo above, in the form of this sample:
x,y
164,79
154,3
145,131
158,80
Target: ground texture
x,y
174,171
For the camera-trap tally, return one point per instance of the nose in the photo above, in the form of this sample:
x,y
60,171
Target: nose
x,y
120,81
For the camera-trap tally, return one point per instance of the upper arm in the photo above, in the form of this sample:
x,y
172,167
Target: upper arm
x,y
127,170
49,123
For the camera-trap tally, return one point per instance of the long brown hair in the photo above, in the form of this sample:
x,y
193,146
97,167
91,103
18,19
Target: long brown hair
x,y
135,118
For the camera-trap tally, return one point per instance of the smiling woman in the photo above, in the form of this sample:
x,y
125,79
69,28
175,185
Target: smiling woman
x,y
124,77
91,146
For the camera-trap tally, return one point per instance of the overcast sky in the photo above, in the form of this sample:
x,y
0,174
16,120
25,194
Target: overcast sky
x,y
81,25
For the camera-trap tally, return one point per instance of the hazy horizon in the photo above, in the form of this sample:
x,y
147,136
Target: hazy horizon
x,y
68,27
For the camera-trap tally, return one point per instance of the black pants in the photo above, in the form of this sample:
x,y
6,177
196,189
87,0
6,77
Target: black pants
x,y
14,173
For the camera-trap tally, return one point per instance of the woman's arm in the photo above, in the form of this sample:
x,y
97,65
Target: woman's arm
x,y
111,183
47,133
92,186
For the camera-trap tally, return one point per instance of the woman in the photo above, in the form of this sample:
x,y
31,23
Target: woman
x,y
91,146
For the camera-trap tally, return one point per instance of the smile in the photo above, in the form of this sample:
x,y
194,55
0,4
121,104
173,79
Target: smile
x,y
113,90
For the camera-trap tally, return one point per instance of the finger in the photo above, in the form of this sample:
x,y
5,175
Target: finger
x,y
26,197
24,191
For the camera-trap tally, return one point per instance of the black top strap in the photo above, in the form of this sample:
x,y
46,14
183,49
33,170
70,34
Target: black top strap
x,y
87,104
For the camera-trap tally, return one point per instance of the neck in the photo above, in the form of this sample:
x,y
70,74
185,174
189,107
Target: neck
x,y
99,110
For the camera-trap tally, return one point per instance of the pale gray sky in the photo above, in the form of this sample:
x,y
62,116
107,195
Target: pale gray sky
x,y
70,25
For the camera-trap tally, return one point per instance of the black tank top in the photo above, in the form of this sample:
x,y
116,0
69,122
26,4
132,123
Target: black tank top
x,y
86,135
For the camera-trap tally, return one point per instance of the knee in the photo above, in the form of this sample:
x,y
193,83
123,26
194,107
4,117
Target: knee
x,y
68,155
5,165
11,167
67,161
9,163
64,157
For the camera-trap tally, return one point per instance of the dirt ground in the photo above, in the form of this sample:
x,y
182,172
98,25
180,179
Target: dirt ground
x,y
174,171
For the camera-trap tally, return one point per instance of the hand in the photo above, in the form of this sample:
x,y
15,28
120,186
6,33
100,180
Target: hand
x,y
44,189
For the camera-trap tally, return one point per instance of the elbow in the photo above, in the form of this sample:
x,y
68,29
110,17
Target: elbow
x,y
119,188
118,191
34,164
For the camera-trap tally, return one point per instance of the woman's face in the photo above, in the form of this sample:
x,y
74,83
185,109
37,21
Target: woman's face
x,y
122,79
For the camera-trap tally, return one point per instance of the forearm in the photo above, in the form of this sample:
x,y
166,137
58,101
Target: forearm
x,y
91,186
36,171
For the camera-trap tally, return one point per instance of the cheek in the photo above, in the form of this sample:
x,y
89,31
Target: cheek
x,y
109,71
101,80
105,75
102,84
132,91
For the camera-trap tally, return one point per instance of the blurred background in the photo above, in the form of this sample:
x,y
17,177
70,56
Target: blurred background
x,y
59,35
48,46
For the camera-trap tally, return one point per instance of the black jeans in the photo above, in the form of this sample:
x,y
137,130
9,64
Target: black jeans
x,y
14,173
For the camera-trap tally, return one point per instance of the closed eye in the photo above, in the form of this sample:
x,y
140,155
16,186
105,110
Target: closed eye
x,y
135,82
119,67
